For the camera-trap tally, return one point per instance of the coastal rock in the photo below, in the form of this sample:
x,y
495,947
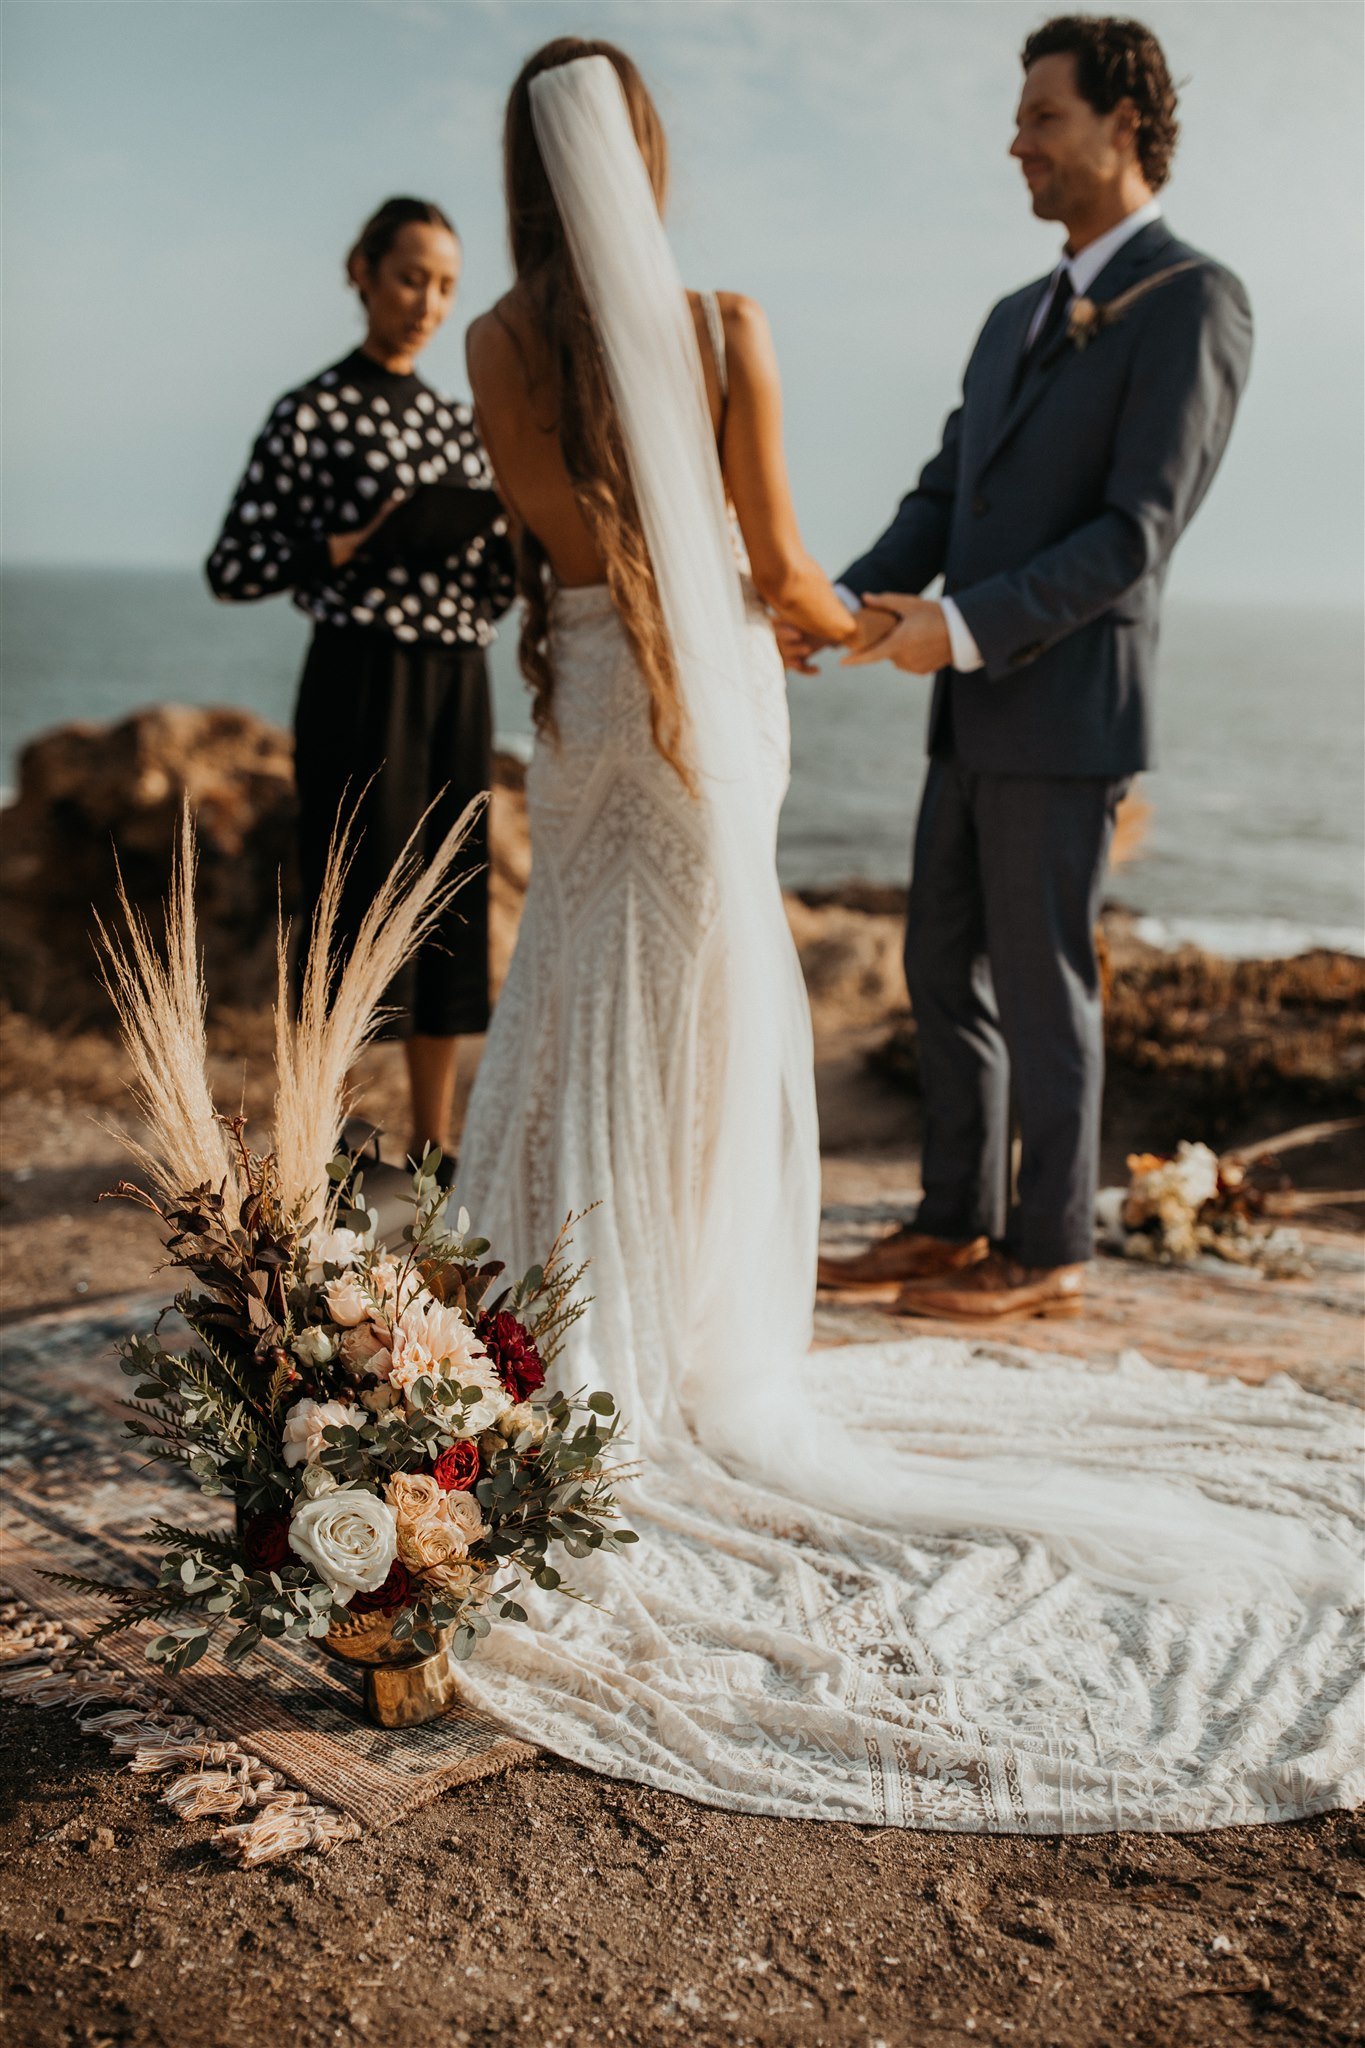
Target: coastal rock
x,y
1209,1039
1198,1044
95,800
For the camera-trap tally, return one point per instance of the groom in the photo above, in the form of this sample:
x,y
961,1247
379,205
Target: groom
x,y
1095,410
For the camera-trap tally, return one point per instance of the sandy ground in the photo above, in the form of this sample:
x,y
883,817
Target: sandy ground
x,y
549,1907
546,1906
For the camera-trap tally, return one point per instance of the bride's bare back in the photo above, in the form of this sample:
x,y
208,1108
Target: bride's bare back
x,y
516,399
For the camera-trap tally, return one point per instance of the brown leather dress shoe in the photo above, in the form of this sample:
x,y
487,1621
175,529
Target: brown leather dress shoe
x,y
907,1254
996,1290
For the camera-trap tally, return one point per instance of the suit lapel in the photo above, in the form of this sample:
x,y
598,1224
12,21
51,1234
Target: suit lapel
x,y
1009,348
1146,248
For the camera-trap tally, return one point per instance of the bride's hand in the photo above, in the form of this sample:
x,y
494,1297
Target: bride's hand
x,y
798,649
919,640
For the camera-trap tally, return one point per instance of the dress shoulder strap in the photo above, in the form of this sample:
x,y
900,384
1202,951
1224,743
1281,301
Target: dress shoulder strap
x,y
715,328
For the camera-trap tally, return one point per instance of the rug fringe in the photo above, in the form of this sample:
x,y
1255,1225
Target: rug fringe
x,y
41,1665
25,1637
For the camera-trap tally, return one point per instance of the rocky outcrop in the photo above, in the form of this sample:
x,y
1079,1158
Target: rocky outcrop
x,y
1214,1034
97,800
1197,1043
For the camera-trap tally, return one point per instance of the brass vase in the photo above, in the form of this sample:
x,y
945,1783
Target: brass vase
x,y
403,1686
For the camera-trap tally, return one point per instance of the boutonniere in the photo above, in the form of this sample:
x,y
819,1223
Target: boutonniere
x,y
1087,318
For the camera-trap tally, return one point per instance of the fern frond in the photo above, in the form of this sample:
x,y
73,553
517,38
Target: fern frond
x,y
221,1543
280,1382
102,1589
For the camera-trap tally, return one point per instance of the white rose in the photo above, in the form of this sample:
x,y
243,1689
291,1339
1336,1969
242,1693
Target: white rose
x,y
523,1417
393,1291
1194,1174
313,1346
305,1422
349,1539
347,1301
317,1480
334,1248
481,1373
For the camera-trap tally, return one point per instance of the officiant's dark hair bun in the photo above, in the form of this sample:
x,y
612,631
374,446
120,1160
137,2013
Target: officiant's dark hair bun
x,y
1117,59
383,228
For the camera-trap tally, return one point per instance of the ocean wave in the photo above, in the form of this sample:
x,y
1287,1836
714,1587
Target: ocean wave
x,y
1248,938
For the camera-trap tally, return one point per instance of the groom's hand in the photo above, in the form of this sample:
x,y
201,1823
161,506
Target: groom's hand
x,y
872,623
919,641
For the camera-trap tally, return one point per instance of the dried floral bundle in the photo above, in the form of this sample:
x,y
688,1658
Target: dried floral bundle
x,y
1179,1208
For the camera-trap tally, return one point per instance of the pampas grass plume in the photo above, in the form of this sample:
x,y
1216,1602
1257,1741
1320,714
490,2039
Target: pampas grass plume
x,y
161,1005
339,1012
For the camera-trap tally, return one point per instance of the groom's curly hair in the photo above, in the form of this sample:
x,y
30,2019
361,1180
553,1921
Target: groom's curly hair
x,y
1117,59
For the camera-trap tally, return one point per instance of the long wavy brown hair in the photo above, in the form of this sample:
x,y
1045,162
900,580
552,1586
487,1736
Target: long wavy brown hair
x,y
588,424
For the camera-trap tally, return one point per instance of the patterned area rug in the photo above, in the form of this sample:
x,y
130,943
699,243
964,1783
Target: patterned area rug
x,y
77,1497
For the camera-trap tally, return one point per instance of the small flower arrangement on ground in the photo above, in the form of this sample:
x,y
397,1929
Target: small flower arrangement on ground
x,y
379,1417
1177,1209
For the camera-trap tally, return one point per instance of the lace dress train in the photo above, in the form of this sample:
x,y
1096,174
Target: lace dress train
x,y
777,1641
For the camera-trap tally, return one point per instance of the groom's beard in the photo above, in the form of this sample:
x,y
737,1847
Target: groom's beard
x,y
1047,197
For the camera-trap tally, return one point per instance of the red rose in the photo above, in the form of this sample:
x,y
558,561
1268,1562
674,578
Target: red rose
x,y
457,1468
265,1541
396,1591
512,1349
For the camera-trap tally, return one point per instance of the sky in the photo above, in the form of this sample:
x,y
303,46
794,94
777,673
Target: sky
x,y
182,180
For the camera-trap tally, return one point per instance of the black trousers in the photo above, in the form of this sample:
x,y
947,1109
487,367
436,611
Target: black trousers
x,y
383,730
1004,982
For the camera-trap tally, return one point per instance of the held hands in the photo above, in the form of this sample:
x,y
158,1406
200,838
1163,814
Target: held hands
x,y
918,641
872,624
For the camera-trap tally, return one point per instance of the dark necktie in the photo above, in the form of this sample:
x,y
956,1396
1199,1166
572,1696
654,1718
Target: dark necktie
x,y
1054,320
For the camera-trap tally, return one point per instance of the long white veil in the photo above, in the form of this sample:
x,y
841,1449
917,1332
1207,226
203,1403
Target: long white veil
x,y
754,1394
763,1211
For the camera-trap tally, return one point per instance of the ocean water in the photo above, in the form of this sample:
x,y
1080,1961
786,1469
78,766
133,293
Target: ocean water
x,y
1257,838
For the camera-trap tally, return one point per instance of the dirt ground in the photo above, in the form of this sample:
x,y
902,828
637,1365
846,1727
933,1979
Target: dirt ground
x,y
549,1907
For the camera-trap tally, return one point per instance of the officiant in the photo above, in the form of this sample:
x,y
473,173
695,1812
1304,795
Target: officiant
x,y
368,497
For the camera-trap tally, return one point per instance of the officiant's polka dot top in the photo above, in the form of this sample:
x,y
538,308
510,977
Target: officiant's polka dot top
x,y
328,457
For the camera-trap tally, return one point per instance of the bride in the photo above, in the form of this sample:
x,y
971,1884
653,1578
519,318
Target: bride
x,y
906,1583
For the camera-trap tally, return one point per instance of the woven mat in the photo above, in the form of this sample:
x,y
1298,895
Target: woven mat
x,y
77,1496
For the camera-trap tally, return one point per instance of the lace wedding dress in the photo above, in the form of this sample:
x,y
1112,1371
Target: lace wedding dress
x,y
913,1583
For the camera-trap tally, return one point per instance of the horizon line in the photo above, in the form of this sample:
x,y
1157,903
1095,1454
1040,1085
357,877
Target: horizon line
x,y
1222,594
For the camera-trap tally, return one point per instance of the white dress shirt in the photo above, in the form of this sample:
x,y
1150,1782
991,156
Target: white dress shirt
x,y
1081,271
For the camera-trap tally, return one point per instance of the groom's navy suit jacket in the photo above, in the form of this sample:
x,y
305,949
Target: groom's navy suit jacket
x,y
1053,505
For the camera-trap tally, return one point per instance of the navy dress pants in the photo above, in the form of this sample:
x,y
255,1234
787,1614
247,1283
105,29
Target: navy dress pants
x,y
1004,981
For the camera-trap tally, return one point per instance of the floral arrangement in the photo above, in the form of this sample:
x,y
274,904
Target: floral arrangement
x,y
378,1416
1178,1208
